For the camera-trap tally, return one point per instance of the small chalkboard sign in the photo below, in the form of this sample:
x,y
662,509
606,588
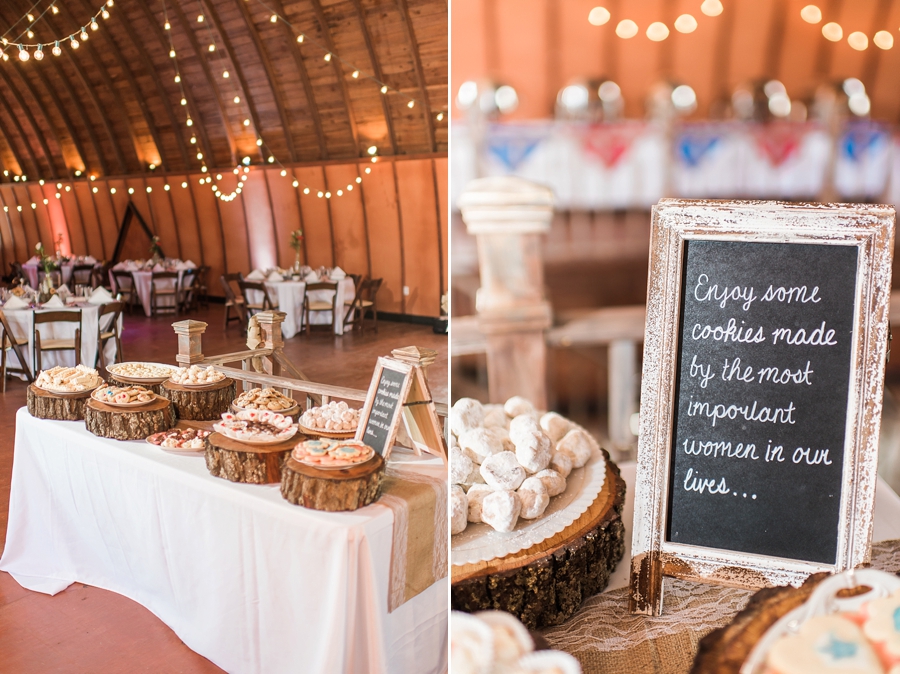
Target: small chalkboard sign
x,y
381,413
764,355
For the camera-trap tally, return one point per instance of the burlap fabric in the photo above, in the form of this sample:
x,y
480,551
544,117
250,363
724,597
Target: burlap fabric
x,y
607,639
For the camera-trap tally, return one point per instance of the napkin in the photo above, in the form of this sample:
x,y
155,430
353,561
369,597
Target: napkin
x,y
90,259
14,303
275,277
34,260
338,274
312,277
189,265
100,296
54,302
255,275
158,267
119,266
63,290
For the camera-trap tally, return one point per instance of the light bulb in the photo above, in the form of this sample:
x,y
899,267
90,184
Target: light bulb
x,y
305,190
320,194
184,101
68,188
247,168
6,208
410,104
168,26
300,39
30,17
218,176
112,190
39,53
246,161
46,201
166,187
189,122
200,18
55,9
202,181
236,170
271,159
384,89
193,140
340,193
328,195
358,180
93,178
237,99
130,190
246,122
328,56
56,50
296,183
184,185
149,189
204,169
95,25
30,34
41,182
225,75
171,53
19,208
368,169
212,47
177,79
33,205
283,173
104,14
109,3
23,54
440,116
84,35
152,167
355,74
274,18
95,190
5,57
78,173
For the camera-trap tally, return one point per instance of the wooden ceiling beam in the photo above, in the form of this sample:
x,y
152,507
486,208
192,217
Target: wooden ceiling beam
x,y
89,88
24,138
210,78
311,107
376,68
338,72
38,132
12,149
210,11
153,71
272,80
420,72
208,154
53,131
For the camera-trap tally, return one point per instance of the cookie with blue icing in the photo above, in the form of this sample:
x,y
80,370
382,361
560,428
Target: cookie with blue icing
x,y
882,625
829,643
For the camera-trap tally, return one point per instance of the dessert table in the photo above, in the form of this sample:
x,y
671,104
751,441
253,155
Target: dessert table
x,y
288,297
606,637
243,577
21,321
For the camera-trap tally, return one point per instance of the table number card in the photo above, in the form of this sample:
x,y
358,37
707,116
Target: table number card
x,y
763,377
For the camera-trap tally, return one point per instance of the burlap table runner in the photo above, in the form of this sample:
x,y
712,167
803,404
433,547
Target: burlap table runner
x,y
419,549
607,638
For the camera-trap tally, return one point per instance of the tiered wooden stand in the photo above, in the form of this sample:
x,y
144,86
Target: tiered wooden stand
x,y
333,490
113,381
200,404
724,650
45,405
545,584
239,462
122,423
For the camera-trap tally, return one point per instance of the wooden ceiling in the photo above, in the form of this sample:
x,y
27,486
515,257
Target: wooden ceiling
x,y
539,46
113,107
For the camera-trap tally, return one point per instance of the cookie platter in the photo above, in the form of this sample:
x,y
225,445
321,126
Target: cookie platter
x,y
335,419
199,393
539,506
250,446
266,399
61,393
140,372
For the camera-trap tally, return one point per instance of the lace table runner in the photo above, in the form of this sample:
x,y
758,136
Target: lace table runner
x,y
606,637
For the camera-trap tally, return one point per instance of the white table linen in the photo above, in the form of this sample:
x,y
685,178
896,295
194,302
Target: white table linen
x,y
142,280
288,297
244,578
21,322
32,269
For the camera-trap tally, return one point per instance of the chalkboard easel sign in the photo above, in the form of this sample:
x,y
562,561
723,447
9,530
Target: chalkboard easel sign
x,y
763,376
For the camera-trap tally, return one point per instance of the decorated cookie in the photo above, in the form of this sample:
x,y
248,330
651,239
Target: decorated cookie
x,y
829,643
882,626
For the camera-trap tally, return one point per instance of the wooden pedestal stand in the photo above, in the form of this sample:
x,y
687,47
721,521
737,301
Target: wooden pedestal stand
x,y
254,464
112,381
333,490
200,404
45,405
136,423
724,650
545,584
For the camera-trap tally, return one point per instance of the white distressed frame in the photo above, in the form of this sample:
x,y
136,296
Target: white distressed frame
x,y
871,229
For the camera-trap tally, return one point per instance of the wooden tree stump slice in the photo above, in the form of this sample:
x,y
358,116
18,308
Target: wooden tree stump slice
x,y
254,464
333,490
724,650
200,404
45,405
545,584
112,381
135,423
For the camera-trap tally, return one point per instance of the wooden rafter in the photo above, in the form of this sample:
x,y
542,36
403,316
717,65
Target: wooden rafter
x,y
376,68
24,138
420,72
26,111
47,119
311,106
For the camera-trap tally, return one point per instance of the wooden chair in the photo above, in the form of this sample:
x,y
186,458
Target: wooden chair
x,y
188,290
125,288
165,290
201,286
82,277
356,279
233,300
365,300
100,276
111,331
258,286
9,340
52,344
17,273
318,305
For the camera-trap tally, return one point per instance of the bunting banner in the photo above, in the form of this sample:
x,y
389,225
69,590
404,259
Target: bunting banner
x,y
779,141
513,144
610,142
693,145
860,139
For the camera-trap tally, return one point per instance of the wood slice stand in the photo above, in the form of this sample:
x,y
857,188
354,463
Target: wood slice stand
x,y
122,423
253,464
333,490
112,381
724,650
45,405
545,584
200,404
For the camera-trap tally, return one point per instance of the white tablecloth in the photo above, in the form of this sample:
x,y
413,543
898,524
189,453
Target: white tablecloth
x,y
31,269
143,283
253,583
21,322
288,296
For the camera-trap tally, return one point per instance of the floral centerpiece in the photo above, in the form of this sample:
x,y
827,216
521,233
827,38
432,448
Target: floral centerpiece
x,y
156,252
297,245
48,266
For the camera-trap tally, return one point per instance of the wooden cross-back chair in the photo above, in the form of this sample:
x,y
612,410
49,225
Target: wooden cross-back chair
x,y
159,287
255,307
364,301
234,301
125,287
53,343
9,340
109,331
188,289
82,277
313,306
